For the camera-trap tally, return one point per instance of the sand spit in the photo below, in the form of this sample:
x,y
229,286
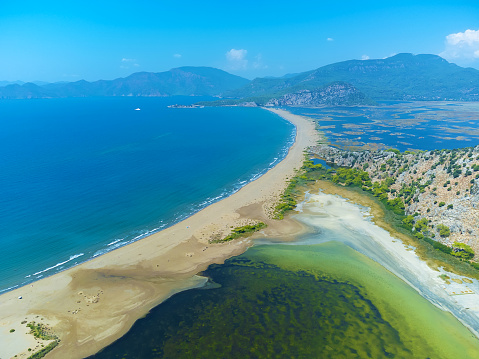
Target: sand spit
x,y
93,304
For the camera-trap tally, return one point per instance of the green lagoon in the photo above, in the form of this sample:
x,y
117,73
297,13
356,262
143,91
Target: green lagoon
x,y
297,301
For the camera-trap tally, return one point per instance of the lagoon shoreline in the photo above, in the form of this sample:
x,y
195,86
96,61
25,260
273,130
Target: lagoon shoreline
x,y
91,305
330,206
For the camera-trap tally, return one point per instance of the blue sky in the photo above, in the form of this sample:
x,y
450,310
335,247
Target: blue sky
x,y
68,41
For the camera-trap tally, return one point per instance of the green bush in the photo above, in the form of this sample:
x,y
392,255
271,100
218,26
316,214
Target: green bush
x,y
394,150
418,235
444,231
462,250
40,331
396,205
421,225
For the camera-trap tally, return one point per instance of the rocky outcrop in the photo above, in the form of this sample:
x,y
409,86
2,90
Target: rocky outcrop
x,y
336,94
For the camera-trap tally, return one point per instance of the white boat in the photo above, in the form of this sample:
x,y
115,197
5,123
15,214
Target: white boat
x,y
138,109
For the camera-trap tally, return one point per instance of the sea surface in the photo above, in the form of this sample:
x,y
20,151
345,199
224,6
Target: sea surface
x,y
400,125
82,176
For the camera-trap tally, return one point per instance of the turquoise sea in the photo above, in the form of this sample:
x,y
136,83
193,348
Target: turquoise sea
x,y
80,177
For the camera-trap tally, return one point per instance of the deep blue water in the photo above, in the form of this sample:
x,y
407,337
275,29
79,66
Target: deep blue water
x,y
83,176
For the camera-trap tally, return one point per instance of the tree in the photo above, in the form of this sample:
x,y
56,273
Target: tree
x,y
462,250
397,205
408,221
421,225
397,152
444,231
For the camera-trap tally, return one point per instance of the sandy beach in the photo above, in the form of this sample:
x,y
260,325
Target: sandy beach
x,y
95,303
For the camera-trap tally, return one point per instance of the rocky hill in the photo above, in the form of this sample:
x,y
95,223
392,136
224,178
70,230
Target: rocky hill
x,y
336,94
333,94
439,189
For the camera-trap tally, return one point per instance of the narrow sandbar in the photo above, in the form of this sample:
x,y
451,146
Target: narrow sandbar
x,y
95,303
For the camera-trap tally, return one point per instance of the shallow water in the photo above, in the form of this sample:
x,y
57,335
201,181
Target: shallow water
x,y
317,297
304,301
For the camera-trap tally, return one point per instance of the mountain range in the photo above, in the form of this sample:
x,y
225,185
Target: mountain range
x,y
187,81
400,77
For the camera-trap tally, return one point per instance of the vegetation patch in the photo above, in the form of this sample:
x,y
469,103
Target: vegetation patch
x,y
243,231
44,351
462,251
289,199
41,331
445,278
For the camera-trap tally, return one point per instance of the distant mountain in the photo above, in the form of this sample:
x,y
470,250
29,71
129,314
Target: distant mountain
x,y
188,81
400,77
287,76
6,83
27,90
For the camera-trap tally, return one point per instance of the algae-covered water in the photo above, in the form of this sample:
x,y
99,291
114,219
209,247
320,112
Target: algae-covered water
x,y
304,301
